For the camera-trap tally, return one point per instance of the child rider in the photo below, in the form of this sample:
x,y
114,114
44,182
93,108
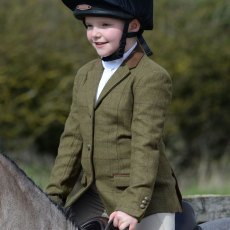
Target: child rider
x,y
111,157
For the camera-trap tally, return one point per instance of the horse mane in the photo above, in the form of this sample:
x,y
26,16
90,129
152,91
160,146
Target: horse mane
x,y
23,174
23,204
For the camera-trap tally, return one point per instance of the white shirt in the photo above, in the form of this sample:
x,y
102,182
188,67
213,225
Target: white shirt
x,y
109,69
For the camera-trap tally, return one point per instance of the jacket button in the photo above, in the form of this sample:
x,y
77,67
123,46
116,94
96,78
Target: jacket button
x,y
144,202
142,206
89,147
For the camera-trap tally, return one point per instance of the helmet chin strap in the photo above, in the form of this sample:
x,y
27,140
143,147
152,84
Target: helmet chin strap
x,y
141,40
120,51
144,45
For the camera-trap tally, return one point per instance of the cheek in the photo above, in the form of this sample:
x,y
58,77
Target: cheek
x,y
115,35
88,35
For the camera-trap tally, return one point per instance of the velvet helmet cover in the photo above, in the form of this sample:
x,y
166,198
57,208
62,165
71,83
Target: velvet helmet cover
x,y
124,9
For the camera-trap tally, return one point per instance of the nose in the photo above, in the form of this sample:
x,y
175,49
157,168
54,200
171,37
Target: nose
x,y
95,32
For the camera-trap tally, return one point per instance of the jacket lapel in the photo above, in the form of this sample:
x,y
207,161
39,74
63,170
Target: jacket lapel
x,y
122,72
93,80
117,77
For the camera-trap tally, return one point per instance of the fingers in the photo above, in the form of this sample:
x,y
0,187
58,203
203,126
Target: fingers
x,y
112,215
132,226
124,226
127,226
123,221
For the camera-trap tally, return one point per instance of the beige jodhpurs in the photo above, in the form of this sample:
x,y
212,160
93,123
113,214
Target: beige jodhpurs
x,y
159,221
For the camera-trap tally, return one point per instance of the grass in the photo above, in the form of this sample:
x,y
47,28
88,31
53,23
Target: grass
x,y
195,190
36,167
39,174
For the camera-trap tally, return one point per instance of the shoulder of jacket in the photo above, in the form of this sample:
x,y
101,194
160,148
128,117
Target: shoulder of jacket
x,y
89,66
152,66
149,70
81,75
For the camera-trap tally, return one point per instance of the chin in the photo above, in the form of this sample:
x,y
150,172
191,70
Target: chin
x,y
102,54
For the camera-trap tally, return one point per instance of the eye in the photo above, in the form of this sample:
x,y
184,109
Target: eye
x,y
106,25
88,26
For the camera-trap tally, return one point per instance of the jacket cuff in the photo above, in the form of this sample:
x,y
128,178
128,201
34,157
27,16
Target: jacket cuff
x,y
56,199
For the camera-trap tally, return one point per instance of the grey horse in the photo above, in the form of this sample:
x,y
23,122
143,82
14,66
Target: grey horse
x,y
23,205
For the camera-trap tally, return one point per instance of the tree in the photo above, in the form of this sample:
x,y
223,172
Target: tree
x,y
196,52
37,68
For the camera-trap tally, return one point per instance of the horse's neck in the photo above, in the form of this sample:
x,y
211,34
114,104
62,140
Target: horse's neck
x,y
23,205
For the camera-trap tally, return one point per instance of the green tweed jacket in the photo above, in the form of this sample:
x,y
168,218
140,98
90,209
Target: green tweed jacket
x,y
116,142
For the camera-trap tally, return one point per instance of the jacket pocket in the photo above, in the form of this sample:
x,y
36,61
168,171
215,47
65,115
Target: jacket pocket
x,y
121,180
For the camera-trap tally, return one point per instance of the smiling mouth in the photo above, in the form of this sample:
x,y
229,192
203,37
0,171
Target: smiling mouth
x,y
100,43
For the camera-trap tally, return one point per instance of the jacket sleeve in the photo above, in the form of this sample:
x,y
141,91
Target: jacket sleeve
x,y
152,94
67,165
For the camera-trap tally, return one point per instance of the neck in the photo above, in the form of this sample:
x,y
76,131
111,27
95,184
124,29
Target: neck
x,y
130,42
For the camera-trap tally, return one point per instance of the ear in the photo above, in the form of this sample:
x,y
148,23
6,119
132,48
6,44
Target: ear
x,y
134,26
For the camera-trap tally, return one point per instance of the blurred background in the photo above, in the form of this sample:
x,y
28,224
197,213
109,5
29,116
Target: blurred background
x,y
42,46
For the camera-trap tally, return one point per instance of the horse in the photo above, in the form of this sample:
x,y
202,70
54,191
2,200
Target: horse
x,y
23,205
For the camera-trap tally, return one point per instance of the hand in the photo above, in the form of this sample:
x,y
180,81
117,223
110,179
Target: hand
x,y
123,221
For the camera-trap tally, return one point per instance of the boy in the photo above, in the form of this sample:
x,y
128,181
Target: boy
x,y
111,156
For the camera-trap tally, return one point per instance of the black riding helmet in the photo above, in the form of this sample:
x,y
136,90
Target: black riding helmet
x,y
121,9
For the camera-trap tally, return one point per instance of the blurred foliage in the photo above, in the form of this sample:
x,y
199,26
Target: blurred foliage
x,y
43,45
40,47
196,51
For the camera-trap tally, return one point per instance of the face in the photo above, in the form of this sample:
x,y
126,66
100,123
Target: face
x,y
104,34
